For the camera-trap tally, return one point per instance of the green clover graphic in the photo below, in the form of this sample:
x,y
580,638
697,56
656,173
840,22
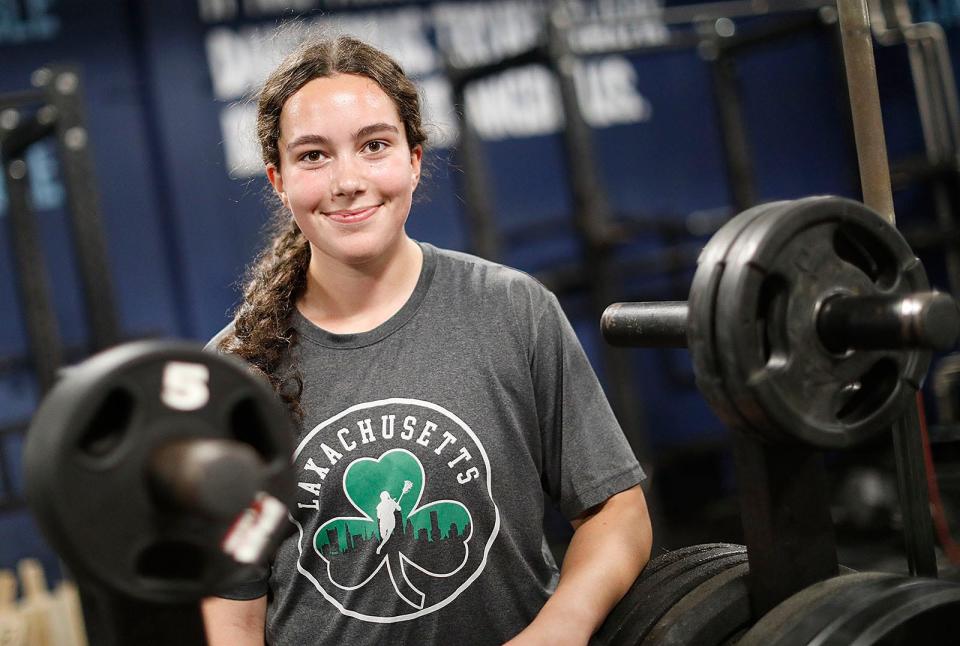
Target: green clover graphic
x,y
394,532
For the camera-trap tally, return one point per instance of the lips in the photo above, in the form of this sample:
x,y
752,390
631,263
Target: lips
x,y
352,216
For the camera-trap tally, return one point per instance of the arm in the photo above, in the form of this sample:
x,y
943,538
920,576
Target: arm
x,y
234,623
611,544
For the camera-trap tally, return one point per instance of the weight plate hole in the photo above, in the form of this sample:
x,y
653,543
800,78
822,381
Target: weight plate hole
x,y
858,247
248,426
108,426
772,320
171,561
858,399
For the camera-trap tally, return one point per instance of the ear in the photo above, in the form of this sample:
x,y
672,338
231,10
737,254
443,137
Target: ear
x,y
276,180
416,157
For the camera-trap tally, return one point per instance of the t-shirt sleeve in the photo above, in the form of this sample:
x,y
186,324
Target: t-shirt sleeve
x,y
253,584
213,344
586,458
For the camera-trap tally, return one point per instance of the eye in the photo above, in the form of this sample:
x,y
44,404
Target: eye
x,y
313,156
375,146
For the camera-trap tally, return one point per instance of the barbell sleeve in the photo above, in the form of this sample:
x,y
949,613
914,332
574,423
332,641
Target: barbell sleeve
x,y
928,320
652,325
218,478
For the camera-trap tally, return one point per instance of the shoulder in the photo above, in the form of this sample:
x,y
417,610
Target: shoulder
x,y
498,295
492,279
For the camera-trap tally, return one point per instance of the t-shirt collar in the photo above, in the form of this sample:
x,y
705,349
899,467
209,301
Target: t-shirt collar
x,y
312,332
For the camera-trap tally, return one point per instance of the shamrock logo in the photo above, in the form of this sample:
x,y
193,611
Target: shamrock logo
x,y
393,531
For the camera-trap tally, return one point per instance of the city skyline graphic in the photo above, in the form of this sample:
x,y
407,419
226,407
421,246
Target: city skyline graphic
x,y
347,535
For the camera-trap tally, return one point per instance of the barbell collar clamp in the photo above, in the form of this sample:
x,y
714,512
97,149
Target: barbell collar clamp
x,y
924,320
650,325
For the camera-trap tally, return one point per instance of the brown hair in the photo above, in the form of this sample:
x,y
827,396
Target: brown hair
x,y
276,279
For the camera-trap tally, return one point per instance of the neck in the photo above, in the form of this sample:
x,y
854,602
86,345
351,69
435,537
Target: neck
x,y
349,299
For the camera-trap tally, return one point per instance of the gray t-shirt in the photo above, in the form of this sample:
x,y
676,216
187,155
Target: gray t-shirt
x,y
426,449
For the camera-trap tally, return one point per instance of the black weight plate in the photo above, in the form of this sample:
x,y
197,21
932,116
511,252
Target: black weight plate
x,y
799,619
628,603
701,329
669,592
835,609
87,453
778,374
708,614
718,612
617,617
741,258
917,611
654,592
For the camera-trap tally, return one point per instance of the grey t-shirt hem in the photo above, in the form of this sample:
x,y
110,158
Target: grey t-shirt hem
x,y
622,481
245,591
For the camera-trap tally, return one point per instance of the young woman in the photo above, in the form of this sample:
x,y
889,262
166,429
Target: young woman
x,y
440,397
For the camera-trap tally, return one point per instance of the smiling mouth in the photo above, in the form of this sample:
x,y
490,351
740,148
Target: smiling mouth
x,y
352,216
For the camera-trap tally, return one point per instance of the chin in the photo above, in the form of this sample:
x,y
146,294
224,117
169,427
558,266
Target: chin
x,y
360,251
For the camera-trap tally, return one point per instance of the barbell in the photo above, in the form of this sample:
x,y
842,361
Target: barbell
x,y
160,474
809,321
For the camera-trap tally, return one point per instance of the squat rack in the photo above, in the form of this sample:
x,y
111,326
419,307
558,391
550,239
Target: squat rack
x,y
777,563
53,109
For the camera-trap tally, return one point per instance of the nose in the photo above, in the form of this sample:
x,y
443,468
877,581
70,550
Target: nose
x,y
347,178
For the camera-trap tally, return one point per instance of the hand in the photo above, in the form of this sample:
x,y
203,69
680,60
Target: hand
x,y
611,543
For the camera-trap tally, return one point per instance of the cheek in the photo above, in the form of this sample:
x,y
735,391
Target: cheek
x,y
393,180
303,193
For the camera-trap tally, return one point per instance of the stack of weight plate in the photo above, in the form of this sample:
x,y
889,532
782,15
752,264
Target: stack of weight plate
x,y
763,363
694,595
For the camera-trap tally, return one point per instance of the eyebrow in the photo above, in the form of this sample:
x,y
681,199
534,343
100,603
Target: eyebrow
x,y
375,127
359,134
307,139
